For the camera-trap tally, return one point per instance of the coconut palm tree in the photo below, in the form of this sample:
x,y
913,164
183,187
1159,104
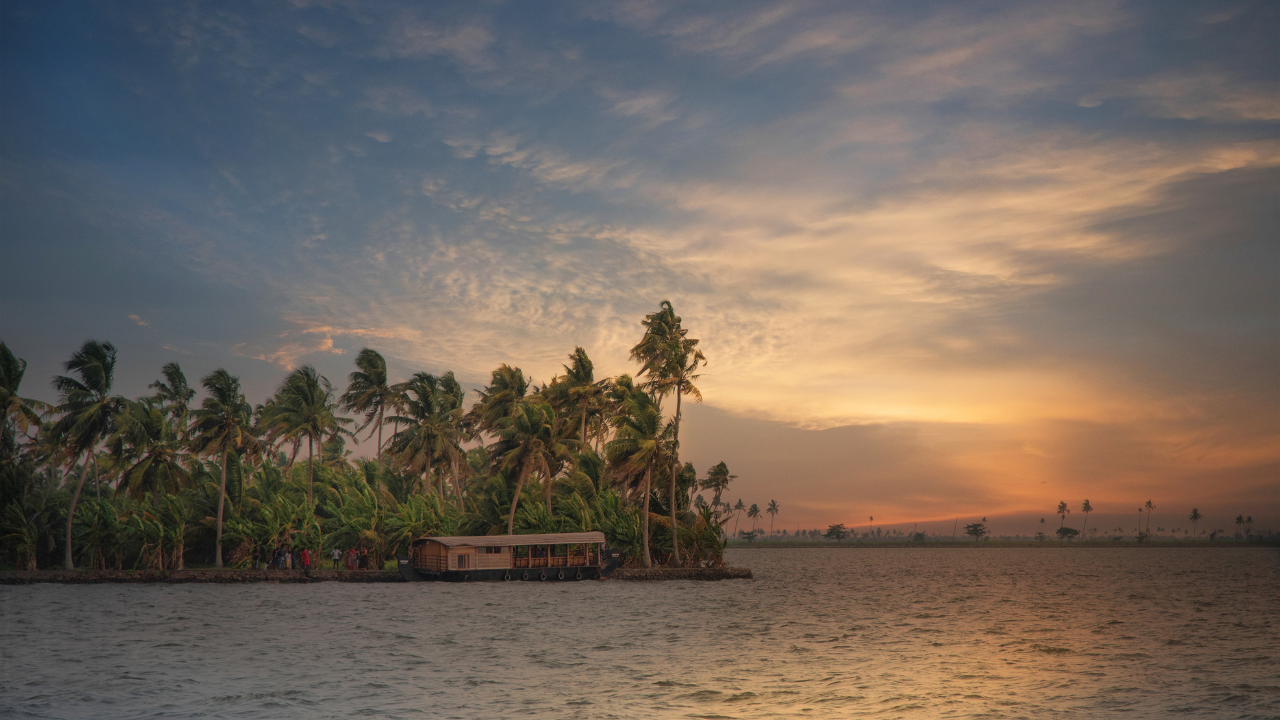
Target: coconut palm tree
x,y
223,425
174,393
87,409
19,414
1195,520
718,479
1063,511
532,445
754,513
148,443
1149,508
581,388
1086,509
636,446
304,408
369,394
737,508
426,424
670,362
773,513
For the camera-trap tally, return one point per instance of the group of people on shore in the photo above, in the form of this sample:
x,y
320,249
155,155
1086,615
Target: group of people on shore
x,y
288,558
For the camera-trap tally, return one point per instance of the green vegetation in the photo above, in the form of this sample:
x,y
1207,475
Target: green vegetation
x,y
224,484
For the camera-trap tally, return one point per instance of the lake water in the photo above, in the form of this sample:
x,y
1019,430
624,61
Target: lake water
x,y
824,633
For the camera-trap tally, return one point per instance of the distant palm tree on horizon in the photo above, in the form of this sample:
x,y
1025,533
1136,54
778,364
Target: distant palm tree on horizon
x,y
1194,517
773,513
1086,509
1064,511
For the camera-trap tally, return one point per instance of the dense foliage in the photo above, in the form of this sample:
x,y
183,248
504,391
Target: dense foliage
x,y
104,481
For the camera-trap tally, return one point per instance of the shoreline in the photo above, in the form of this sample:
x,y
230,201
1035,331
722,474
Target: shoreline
x,y
226,576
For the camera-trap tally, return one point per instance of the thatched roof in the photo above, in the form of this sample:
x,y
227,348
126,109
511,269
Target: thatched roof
x,y
509,540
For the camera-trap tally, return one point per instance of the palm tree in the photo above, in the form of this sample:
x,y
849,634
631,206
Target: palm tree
x,y
223,425
1239,526
20,414
87,409
1064,511
303,407
427,424
149,443
369,394
718,479
581,387
773,513
739,507
1149,508
532,445
1195,519
754,514
1086,509
671,361
174,393
636,446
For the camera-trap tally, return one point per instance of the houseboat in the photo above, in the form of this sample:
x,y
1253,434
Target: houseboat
x,y
556,556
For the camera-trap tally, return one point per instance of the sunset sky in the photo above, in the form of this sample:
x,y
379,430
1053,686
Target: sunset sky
x,y
943,259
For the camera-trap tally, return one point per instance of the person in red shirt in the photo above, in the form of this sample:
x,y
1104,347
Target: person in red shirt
x,y
306,560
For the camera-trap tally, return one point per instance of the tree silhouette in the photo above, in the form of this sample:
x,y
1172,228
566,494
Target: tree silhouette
x,y
1086,509
1149,508
754,514
1194,517
977,530
773,513
836,532
1064,511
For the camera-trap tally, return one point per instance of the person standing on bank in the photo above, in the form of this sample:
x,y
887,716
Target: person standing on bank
x,y
337,554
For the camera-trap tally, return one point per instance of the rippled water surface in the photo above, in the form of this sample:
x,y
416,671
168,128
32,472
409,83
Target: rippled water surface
x,y
832,633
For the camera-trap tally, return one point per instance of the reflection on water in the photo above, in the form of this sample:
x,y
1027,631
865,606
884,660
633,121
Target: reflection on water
x,y
835,633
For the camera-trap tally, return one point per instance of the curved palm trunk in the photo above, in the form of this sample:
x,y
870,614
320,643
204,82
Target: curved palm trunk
x,y
583,435
222,496
644,519
71,515
1086,527
97,482
426,479
675,465
515,501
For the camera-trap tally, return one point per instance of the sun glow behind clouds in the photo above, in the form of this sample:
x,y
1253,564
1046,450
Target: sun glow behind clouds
x,y
1008,231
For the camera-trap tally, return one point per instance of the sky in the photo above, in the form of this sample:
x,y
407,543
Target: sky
x,y
943,259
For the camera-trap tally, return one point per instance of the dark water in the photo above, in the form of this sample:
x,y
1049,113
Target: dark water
x,y
830,633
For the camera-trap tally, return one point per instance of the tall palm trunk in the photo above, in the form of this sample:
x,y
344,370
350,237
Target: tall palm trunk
x,y
71,513
222,496
1086,527
644,519
97,480
457,483
426,478
675,464
379,439
311,467
515,501
584,424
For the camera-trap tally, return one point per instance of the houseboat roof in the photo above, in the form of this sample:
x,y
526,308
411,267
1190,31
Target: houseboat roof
x,y
509,540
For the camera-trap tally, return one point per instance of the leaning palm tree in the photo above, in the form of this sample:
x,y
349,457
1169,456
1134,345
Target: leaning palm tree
x,y
636,446
369,394
583,391
772,509
670,362
87,409
223,425
19,414
304,408
529,435
739,507
1195,518
1086,509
